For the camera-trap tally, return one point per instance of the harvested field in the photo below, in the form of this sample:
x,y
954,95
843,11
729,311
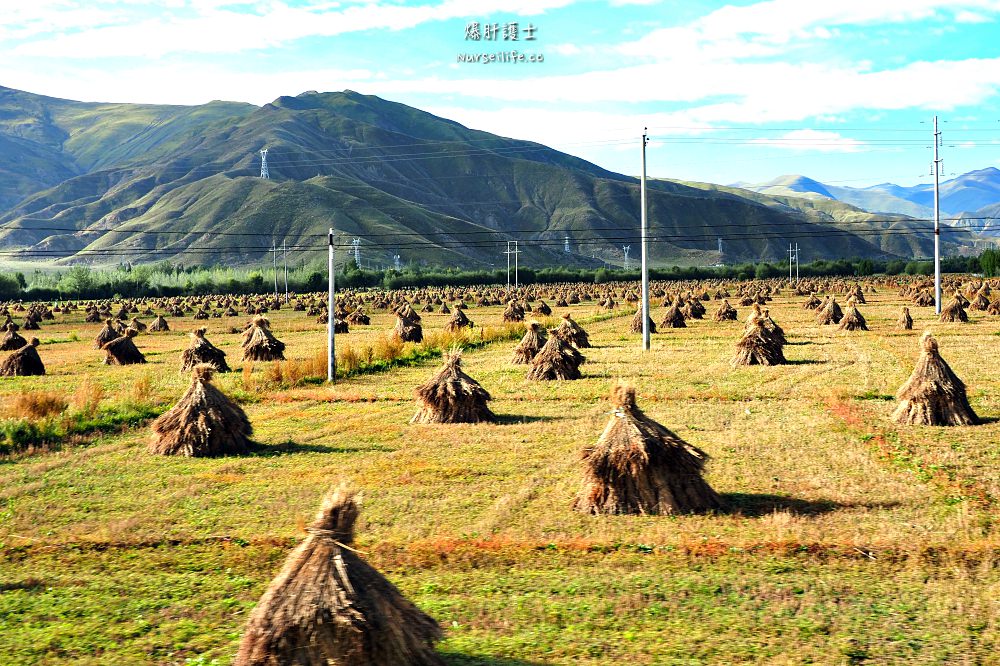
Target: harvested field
x,y
848,538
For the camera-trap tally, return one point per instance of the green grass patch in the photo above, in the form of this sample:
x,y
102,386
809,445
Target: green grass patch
x,y
22,434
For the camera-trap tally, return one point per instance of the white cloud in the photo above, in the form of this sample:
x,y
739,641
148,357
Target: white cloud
x,y
182,84
217,29
566,49
25,20
971,17
753,92
813,140
773,27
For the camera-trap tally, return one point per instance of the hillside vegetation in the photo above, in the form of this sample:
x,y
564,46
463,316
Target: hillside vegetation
x,y
102,183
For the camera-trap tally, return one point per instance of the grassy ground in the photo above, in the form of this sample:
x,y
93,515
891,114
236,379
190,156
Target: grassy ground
x,y
849,540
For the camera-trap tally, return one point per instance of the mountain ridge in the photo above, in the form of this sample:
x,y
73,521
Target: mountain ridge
x,y
965,193
151,182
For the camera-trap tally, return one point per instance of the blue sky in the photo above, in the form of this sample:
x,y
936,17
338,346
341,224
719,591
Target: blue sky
x,y
839,91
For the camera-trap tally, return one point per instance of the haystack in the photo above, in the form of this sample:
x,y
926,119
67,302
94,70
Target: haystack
x,y
159,325
693,309
812,302
726,312
556,360
24,362
933,395
905,321
771,326
830,313
640,467
543,309
530,344
358,317
328,606
513,313
953,311
673,317
458,321
203,351
122,350
924,299
408,330
852,319
12,339
203,423
572,332
980,302
636,325
451,396
107,334
758,345
259,344
137,325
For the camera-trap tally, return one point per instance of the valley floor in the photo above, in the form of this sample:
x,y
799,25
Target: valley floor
x,y
848,540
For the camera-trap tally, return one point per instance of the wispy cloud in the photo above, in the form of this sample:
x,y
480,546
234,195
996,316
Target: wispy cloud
x,y
813,140
184,83
226,27
756,92
767,28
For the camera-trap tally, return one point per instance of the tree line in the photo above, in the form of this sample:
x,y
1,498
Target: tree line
x,y
168,279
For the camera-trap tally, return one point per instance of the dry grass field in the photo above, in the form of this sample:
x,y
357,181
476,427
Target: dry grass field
x,y
848,539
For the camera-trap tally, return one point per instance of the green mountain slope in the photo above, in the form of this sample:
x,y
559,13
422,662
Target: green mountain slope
x,y
892,233
153,182
46,140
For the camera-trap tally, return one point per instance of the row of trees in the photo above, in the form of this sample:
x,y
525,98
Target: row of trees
x,y
165,279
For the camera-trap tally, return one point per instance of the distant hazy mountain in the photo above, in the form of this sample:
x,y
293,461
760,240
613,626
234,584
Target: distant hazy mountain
x,y
893,233
986,220
968,192
81,181
885,198
796,186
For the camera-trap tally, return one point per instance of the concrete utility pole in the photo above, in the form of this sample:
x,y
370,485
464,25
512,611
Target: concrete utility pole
x,y
516,252
645,259
274,266
796,263
937,219
509,252
331,362
284,258
790,256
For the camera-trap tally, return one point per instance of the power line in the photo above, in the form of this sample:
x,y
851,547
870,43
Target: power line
x,y
495,231
554,243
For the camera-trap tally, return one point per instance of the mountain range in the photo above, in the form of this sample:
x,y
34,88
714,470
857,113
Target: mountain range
x,y
99,183
970,200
